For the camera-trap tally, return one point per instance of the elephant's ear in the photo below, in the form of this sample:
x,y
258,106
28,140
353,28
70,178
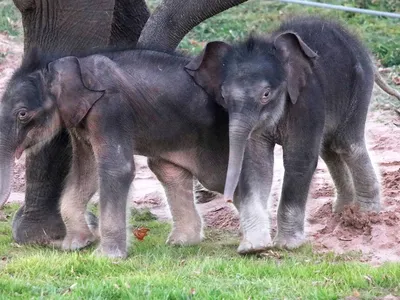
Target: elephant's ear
x,y
76,88
207,68
298,58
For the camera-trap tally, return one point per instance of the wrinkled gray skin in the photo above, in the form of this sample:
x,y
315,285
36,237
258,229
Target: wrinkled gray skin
x,y
68,27
306,87
125,106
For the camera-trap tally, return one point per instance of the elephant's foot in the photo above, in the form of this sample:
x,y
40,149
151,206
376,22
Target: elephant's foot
x,y
254,242
367,204
37,227
363,204
341,201
254,227
44,227
289,241
78,240
111,250
185,237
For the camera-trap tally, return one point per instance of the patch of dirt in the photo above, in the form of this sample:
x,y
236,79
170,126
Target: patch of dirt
x,y
326,190
222,217
391,183
375,235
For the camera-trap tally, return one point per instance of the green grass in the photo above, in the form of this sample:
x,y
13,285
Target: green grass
x,y
211,270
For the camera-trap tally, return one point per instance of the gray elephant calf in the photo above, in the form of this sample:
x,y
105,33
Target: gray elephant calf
x,y
307,87
114,106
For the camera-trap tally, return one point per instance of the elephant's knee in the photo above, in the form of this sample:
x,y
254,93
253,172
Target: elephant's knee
x,y
123,172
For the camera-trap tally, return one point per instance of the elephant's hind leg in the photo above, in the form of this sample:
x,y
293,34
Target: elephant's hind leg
x,y
345,193
366,183
178,185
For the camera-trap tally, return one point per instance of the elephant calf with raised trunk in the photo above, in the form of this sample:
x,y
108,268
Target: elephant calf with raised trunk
x,y
307,87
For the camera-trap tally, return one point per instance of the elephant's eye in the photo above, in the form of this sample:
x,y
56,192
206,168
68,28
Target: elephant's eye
x,y
23,115
266,96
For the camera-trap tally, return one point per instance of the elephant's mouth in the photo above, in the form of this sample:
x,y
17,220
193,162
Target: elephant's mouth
x,y
29,144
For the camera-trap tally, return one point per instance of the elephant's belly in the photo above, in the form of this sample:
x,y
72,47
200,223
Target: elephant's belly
x,y
210,171
187,159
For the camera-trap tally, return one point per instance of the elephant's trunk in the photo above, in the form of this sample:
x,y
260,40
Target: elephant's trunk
x,y
239,132
6,169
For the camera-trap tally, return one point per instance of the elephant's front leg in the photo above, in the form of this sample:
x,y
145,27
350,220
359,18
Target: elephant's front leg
x,y
300,161
80,186
116,173
178,185
252,195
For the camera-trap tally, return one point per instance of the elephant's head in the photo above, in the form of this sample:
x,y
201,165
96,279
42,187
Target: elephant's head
x,y
254,81
39,101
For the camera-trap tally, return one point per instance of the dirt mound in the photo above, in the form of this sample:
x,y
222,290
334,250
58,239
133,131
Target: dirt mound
x,y
223,217
375,235
391,183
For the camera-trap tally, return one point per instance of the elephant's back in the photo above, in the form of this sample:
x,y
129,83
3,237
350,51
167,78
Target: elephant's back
x,y
160,72
163,83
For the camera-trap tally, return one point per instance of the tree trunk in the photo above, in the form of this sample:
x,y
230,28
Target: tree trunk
x,y
130,16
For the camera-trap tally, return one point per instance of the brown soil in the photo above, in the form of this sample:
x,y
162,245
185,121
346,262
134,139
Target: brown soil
x,y
375,235
391,183
222,217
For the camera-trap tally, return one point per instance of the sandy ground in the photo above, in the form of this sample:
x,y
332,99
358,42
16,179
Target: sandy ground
x,y
375,236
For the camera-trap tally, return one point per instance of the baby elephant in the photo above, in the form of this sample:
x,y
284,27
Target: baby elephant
x,y
116,105
307,87
68,92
